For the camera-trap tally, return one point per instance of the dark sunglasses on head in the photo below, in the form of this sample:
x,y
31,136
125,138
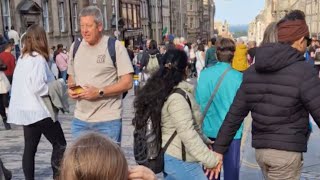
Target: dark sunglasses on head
x,y
308,40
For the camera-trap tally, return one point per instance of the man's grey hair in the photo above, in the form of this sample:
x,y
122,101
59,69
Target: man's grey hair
x,y
92,11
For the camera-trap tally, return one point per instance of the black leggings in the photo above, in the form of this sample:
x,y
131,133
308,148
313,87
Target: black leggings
x,y
32,134
2,106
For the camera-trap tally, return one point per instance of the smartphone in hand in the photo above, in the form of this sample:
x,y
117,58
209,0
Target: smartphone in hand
x,y
77,89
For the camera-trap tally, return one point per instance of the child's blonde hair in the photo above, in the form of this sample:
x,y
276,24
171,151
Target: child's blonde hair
x,y
94,157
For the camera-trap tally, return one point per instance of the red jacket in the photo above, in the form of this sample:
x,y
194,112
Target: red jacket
x,y
9,60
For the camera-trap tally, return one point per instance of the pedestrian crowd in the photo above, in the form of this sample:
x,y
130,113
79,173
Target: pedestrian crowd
x,y
183,130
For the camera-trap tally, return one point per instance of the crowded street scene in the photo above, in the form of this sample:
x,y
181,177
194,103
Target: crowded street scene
x,y
160,90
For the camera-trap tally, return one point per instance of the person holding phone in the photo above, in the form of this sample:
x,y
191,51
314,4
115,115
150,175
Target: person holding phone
x,y
30,83
99,100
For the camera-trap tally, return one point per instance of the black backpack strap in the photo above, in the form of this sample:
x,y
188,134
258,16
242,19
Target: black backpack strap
x,y
112,50
183,152
76,45
185,95
169,141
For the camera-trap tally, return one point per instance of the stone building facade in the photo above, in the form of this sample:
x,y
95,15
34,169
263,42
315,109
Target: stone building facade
x,y
193,20
60,17
53,15
313,16
156,19
144,13
222,29
199,17
274,10
206,20
130,17
179,18
166,25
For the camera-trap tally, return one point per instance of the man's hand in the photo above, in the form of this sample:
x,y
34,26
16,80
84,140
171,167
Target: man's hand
x,y
73,94
89,93
141,173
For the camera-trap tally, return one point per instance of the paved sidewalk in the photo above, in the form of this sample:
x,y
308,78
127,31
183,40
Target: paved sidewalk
x,y
12,144
11,149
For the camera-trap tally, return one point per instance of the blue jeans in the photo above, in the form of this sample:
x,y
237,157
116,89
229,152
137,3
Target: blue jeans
x,y
17,49
175,169
231,161
63,75
112,129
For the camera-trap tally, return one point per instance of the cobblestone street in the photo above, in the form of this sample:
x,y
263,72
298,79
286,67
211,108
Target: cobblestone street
x,y
11,144
11,149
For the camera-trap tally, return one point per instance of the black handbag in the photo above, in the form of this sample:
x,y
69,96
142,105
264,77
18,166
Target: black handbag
x,y
3,67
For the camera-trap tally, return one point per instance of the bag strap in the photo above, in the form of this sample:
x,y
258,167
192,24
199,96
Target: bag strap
x,y
76,47
183,152
169,141
185,95
214,93
112,50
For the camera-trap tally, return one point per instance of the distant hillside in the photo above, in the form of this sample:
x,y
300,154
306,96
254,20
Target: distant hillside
x,y
239,28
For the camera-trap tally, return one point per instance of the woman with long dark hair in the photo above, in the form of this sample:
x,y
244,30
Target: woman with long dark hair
x,y
29,85
171,111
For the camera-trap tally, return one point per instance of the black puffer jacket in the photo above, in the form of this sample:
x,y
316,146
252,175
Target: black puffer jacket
x,y
280,90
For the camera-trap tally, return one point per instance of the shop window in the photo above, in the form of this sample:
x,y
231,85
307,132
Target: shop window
x,y
45,15
75,17
105,15
61,15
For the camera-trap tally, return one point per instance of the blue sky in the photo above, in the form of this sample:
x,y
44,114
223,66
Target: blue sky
x,y
238,11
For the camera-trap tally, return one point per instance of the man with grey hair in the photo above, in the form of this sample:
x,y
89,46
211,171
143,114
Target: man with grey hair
x,y
97,78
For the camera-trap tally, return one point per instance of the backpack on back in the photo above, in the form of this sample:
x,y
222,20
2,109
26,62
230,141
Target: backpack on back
x,y
111,49
153,64
147,145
